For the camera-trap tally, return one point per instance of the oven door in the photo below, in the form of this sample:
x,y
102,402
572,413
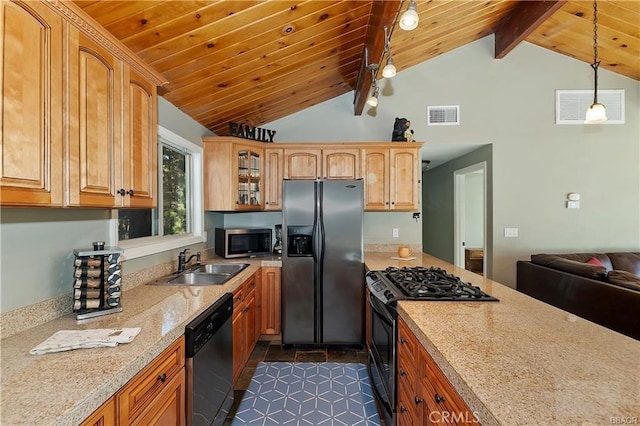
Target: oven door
x,y
382,354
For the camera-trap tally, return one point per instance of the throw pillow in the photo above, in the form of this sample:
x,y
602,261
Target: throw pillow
x,y
594,261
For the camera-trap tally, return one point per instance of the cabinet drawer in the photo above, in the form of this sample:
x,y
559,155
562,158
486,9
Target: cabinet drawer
x,y
134,397
407,412
407,344
169,408
439,392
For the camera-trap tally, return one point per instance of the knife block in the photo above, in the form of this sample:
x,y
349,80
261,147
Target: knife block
x,y
97,279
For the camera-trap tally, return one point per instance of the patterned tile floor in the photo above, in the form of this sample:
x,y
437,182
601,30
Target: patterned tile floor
x,y
308,393
272,351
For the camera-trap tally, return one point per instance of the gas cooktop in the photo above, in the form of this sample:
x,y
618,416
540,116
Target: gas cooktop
x,y
420,283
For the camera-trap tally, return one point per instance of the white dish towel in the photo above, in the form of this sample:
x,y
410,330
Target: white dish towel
x,y
66,340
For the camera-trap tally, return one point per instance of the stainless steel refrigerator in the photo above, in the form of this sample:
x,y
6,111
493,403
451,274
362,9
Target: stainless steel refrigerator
x,y
322,262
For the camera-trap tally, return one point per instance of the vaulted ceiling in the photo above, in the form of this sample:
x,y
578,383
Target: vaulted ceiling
x,y
257,61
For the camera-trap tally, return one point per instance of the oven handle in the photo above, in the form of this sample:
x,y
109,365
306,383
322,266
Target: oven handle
x,y
380,309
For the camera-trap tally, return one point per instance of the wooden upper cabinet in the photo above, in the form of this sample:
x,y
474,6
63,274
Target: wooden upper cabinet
x,y
391,178
31,72
302,163
233,174
95,124
405,179
341,163
273,175
140,159
375,166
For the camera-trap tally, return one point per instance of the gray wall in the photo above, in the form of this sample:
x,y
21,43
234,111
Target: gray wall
x,y
438,204
510,103
36,244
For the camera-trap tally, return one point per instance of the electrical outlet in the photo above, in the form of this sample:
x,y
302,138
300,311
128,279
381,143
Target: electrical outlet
x,y
511,232
396,233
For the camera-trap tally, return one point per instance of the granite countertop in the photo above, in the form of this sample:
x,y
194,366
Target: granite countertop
x,y
517,361
520,361
65,388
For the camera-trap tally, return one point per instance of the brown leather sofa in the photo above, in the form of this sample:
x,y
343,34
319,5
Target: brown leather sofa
x,y
607,294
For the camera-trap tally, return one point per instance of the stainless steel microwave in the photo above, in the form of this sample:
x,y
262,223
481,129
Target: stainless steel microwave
x,y
242,242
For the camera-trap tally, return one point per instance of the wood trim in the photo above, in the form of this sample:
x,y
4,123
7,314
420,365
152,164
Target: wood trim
x,y
524,20
79,19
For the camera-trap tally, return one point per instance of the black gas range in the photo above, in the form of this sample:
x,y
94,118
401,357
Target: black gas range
x,y
421,283
385,289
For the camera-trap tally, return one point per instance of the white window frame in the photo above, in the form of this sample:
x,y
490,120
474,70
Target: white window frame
x,y
146,246
587,95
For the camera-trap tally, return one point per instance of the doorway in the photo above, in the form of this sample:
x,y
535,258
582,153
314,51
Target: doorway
x,y
470,217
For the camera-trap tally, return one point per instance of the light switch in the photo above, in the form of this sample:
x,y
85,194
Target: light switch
x,y
510,232
573,204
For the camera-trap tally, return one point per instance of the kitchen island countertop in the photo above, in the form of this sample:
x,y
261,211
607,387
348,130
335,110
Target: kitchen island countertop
x,y
520,361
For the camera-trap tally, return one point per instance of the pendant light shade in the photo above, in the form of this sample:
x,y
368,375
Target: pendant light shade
x,y
409,19
597,113
389,70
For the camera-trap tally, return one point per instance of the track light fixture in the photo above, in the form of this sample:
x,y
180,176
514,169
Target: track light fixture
x,y
390,69
409,19
597,113
372,100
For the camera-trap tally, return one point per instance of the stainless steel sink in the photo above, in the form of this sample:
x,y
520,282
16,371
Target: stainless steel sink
x,y
210,274
221,268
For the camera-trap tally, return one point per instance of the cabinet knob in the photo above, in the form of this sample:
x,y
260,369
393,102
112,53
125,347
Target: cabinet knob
x,y
402,372
418,400
403,409
386,203
130,192
162,377
403,340
122,192
439,398
267,203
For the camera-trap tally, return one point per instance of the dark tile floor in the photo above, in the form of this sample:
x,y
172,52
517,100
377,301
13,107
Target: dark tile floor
x,y
272,351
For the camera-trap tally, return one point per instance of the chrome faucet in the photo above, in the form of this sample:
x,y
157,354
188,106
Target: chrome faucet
x,y
183,261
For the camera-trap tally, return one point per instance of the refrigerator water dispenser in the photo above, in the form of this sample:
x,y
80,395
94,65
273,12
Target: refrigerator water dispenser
x,y
300,241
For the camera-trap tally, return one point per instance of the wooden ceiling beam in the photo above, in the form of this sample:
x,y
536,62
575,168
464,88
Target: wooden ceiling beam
x,y
383,12
524,19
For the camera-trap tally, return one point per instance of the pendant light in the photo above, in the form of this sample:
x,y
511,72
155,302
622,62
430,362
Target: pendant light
x,y
597,112
390,69
409,19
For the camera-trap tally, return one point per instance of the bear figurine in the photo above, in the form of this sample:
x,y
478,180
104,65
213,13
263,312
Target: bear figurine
x,y
401,131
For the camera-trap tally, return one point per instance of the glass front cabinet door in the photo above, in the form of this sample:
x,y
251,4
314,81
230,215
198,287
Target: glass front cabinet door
x,y
249,179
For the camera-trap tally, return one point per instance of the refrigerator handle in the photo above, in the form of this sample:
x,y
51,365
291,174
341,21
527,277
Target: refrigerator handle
x,y
317,260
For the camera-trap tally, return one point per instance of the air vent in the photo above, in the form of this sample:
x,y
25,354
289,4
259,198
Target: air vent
x,y
572,105
443,115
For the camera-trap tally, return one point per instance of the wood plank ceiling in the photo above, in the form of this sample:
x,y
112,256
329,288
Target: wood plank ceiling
x,y
257,61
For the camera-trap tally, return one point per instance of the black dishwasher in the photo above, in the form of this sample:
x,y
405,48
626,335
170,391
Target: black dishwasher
x,y
209,350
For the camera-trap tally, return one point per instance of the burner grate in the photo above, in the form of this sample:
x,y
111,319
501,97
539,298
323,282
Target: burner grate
x,y
433,284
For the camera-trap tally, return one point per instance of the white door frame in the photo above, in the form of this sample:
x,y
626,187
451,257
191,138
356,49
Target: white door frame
x,y
459,209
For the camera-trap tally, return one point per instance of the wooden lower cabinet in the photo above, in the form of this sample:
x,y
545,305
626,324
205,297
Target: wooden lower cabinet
x,y
244,323
425,396
270,301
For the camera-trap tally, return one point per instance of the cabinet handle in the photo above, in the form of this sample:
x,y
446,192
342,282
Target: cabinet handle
x,y
403,341
403,409
121,191
267,203
418,400
163,377
439,398
386,203
402,372
130,192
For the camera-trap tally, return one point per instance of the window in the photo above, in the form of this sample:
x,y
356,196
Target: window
x,y
178,220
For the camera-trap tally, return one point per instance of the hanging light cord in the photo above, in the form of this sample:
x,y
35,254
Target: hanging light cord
x,y
596,62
